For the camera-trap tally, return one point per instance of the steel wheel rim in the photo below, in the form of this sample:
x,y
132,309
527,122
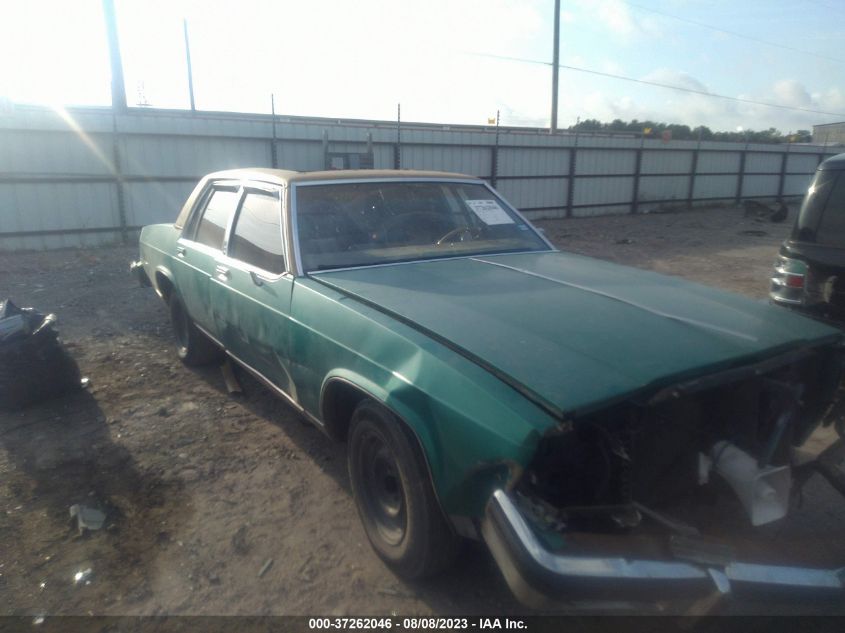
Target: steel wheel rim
x,y
383,494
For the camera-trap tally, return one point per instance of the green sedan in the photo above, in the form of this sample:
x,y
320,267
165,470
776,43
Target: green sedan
x,y
561,409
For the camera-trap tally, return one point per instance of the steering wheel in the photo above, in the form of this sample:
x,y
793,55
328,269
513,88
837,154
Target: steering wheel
x,y
461,230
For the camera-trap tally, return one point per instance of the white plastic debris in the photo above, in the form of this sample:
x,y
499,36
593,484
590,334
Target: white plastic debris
x,y
764,492
265,567
87,518
83,576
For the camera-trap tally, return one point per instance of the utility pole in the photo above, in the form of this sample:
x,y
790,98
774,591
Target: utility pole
x,y
494,156
397,149
555,66
274,159
118,89
190,69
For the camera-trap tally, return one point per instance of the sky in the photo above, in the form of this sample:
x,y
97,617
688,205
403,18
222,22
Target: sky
x,y
445,61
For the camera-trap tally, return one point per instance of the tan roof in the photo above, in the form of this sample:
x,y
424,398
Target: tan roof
x,y
281,176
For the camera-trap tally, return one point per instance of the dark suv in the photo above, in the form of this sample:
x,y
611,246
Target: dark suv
x,y
810,269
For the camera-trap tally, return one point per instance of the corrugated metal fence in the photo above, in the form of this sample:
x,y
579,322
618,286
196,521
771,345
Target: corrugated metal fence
x,y
84,177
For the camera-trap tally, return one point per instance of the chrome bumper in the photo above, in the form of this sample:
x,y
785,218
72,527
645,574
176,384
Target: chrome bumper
x,y
537,576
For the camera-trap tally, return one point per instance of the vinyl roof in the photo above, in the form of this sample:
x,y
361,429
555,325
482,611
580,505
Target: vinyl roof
x,y
281,176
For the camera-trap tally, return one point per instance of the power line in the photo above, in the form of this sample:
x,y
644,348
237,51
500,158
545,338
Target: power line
x,y
734,33
658,84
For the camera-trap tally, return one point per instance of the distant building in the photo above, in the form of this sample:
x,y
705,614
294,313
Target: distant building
x,y
831,133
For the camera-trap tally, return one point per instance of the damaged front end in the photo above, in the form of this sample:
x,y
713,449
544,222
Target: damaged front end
x,y
657,497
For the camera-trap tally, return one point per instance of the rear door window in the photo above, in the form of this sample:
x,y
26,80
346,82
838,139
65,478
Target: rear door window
x,y
211,227
811,208
257,237
831,230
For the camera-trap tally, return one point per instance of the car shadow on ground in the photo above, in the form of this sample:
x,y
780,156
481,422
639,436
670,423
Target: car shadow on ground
x,y
472,585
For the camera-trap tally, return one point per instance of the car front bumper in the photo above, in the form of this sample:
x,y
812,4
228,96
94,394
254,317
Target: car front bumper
x,y
538,576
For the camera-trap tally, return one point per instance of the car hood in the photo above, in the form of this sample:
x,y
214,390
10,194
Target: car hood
x,y
573,332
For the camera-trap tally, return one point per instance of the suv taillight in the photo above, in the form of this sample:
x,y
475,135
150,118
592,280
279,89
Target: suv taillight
x,y
788,280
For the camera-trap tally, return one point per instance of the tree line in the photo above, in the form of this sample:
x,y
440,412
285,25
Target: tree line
x,y
675,131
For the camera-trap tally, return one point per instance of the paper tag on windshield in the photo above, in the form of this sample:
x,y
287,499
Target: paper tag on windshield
x,y
489,211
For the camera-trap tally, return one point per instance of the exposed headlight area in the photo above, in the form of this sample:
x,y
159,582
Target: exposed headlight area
x,y
624,502
668,459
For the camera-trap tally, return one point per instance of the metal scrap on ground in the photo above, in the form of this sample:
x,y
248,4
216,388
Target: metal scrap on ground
x,y
87,518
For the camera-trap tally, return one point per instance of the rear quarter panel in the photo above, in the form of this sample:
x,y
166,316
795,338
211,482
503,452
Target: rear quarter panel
x,y
157,245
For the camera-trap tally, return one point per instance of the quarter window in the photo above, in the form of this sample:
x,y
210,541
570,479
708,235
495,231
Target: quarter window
x,y
257,236
211,229
832,227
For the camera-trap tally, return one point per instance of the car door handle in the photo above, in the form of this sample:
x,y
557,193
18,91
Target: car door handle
x,y
180,251
256,278
222,273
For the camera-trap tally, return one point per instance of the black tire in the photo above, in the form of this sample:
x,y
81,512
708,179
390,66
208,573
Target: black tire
x,y
394,496
193,347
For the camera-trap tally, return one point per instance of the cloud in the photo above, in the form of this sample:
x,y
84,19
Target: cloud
x,y
676,78
612,67
792,92
617,17
832,99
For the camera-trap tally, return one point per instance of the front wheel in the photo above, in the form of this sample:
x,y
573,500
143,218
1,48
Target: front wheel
x,y
394,495
192,346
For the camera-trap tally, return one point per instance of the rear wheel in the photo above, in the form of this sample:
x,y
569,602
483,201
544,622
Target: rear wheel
x,y
394,496
192,346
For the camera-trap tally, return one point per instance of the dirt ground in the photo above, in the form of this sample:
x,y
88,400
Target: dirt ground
x,y
202,489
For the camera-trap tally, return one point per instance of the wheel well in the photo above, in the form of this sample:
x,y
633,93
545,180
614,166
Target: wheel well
x,y
163,286
339,401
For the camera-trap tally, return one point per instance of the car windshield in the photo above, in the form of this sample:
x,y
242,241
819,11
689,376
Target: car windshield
x,y
365,223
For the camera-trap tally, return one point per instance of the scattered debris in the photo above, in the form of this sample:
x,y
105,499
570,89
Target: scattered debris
x,y
265,567
239,543
753,232
87,518
11,327
762,212
624,240
34,365
229,377
781,213
83,576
